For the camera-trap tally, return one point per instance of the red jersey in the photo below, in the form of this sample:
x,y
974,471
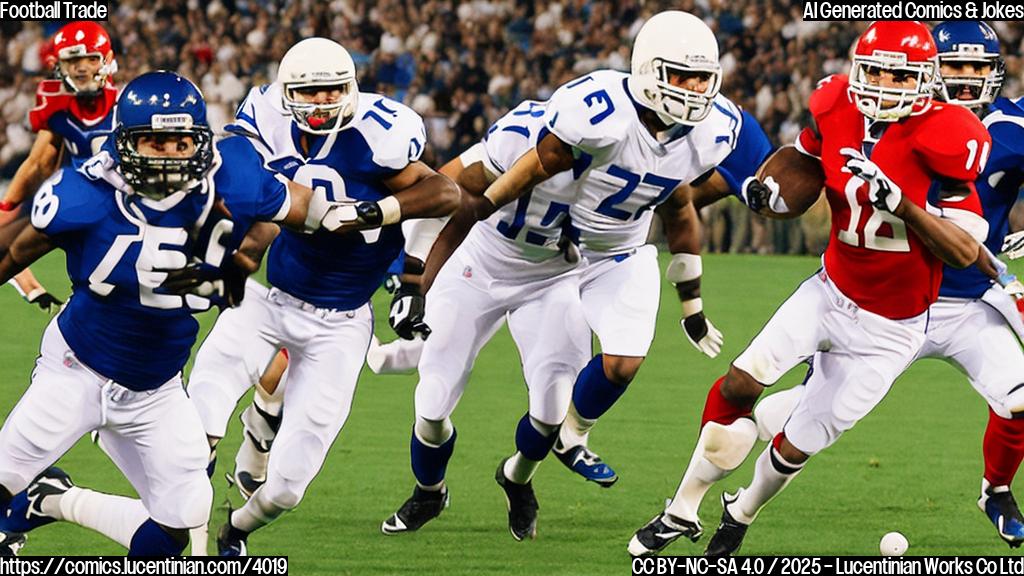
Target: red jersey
x,y
53,97
872,256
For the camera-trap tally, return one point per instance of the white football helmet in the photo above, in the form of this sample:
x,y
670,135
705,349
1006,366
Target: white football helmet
x,y
319,62
674,42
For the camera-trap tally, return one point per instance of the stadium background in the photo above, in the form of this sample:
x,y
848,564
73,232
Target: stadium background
x,y
914,465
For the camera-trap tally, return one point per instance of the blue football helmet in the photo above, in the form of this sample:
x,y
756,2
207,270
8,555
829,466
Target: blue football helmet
x,y
969,41
162,103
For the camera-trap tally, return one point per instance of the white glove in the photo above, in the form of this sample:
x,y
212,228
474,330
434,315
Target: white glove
x,y
883,193
702,334
1013,245
355,214
758,195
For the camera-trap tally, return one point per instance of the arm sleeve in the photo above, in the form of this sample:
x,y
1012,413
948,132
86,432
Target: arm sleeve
x,y
246,183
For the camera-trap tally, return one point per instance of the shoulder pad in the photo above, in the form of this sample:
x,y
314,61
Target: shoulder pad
x,y
952,142
514,134
830,92
591,112
393,131
51,97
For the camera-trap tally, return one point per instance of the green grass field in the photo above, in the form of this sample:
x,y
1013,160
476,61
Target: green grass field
x,y
914,465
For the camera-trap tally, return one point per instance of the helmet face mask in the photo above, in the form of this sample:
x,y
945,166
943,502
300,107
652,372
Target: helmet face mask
x,y
894,70
162,139
83,45
310,67
675,70
969,42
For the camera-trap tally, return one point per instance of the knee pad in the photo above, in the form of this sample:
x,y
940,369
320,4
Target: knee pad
x,y
433,432
282,494
728,446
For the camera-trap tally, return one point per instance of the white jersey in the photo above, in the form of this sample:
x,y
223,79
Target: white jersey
x,y
534,222
621,171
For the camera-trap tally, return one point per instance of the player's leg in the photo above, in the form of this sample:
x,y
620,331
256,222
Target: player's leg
x,y
554,342
975,337
868,353
395,357
620,300
727,432
260,422
464,314
326,351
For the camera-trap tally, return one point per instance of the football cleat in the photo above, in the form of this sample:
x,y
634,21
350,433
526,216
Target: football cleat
x,y
11,543
25,512
422,507
729,536
521,503
999,505
231,541
244,481
661,531
582,461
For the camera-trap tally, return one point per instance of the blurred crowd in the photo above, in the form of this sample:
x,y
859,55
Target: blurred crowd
x,y
461,65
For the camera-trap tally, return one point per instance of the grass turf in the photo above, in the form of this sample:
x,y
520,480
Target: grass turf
x,y
913,465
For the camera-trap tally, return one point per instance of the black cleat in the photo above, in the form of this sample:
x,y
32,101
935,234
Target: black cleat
x,y
11,543
1001,508
521,503
422,507
661,531
231,541
729,536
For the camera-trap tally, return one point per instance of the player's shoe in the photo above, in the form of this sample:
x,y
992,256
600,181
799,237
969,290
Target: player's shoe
x,y
11,543
998,504
25,512
661,531
729,536
582,461
422,507
230,541
521,503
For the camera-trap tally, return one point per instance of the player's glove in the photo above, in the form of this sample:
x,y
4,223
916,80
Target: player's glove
x,y
570,251
883,193
702,334
758,195
1013,245
406,316
47,302
222,286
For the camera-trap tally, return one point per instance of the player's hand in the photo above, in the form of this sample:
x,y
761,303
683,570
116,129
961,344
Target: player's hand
x,y
570,251
223,286
353,215
702,334
1013,245
758,195
406,316
47,302
883,193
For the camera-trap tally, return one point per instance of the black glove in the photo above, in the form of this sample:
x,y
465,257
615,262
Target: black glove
x,y
757,194
47,302
224,286
406,317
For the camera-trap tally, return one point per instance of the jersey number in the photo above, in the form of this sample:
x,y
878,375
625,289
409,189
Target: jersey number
x,y
320,177
152,257
608,206
871,240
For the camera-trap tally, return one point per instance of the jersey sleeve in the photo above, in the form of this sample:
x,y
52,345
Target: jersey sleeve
x,y
752,149
582,114
512,136
64,204
828,92
248,187
50,99
395,133
953,144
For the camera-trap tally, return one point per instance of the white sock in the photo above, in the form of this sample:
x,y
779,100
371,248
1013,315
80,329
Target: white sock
x,y
767,483
257,512
199,537
116,517
699,477
576,429
394,357
520,469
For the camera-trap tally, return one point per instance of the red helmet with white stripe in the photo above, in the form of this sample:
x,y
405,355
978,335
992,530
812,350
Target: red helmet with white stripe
x,y
79,40
894,70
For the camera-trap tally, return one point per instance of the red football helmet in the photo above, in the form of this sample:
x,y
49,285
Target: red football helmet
x,y
905,50
84,38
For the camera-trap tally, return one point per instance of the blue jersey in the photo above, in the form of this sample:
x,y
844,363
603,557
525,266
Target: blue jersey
x,y
997,187
117,322
84,127
325,269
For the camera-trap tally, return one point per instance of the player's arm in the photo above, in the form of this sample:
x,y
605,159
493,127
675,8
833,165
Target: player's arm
x,y
29,246
42,161
29,288
949,241
422,193
683,232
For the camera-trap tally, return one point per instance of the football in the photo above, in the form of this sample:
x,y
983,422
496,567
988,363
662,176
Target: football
x,y
800,179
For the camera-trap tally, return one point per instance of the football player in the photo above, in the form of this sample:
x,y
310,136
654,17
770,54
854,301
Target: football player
x,y
862,317
72,118
632,143
313,126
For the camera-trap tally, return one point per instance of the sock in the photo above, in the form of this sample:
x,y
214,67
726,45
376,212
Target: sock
x,y
270,404
533,445
257,512
575,429
771,474
199,537
116,517
718,409
594,394
152,540
1003,447
430,463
